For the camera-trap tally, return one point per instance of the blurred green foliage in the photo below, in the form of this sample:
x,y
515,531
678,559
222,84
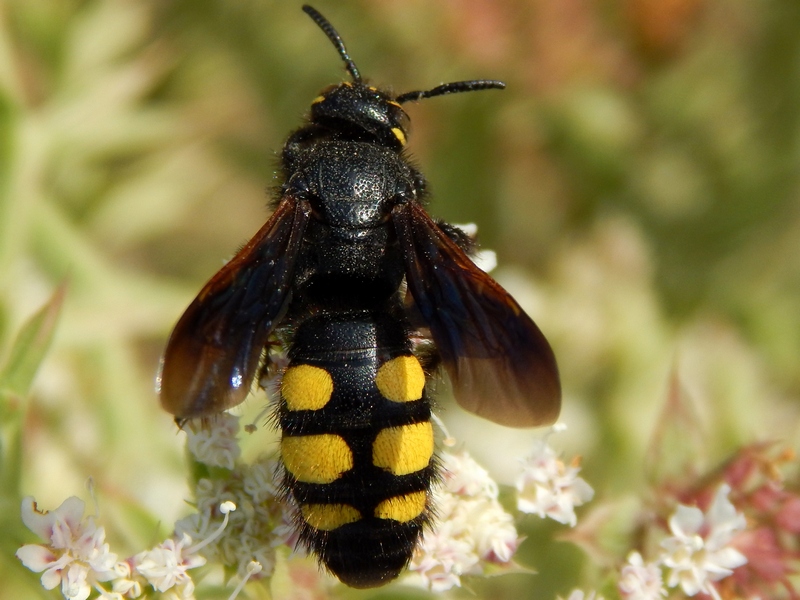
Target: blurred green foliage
x,y
638,178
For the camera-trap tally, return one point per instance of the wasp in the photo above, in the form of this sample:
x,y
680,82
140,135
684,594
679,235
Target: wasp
x,y
350,272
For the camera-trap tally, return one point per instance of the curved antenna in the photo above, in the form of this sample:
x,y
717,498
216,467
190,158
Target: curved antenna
x,y
335,39
451,88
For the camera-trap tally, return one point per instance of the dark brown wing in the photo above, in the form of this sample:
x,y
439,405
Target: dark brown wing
x,y
500,364
213,352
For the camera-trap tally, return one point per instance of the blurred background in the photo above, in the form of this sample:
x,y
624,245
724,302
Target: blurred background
x,y
638,180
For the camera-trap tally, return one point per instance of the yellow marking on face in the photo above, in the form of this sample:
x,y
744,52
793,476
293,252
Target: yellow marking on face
x,y
401,379
393,103
306,387
318,99
398,133
329,516
316,458
403,450
372,89
402,508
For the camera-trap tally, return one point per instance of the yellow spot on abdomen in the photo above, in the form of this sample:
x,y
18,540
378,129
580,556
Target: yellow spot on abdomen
x,y
306,387
316,458
401,379
329,516
402,508
403,450
398,133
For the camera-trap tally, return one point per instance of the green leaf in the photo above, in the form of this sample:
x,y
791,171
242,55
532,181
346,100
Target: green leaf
x,y
30,347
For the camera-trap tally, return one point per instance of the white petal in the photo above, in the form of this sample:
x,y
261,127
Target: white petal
x,y
686,520
51,578
127,587
36,558
485,260
635,559
728,558
54,527
721,509
582,491
690,582
42,523
73,583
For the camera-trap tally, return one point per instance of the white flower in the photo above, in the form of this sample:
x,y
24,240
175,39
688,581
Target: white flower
x,y
442,557
472,529
76,555
698,551
213,441
124,584
261,523
549,488
495,536
465,477
640,581
165,566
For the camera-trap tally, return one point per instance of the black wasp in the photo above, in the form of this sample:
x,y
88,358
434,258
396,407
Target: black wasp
x,y
347,272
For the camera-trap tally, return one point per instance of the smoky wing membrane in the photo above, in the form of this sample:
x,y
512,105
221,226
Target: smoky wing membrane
x,y
214,350
501,366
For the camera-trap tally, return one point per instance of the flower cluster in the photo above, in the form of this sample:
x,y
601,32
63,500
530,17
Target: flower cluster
x,y
772,508
260,525
743,545
697,554
472,532
164,567
549,488
473,535
76,557
262,522
214,442
639,580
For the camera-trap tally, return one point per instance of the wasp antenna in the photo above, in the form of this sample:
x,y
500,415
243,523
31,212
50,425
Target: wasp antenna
x,y
335,39
451,88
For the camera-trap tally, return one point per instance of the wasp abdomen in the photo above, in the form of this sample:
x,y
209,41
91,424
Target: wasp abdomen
x,y
357,445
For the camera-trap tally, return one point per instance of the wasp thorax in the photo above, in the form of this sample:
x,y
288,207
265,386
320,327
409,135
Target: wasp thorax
x,y
353,185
